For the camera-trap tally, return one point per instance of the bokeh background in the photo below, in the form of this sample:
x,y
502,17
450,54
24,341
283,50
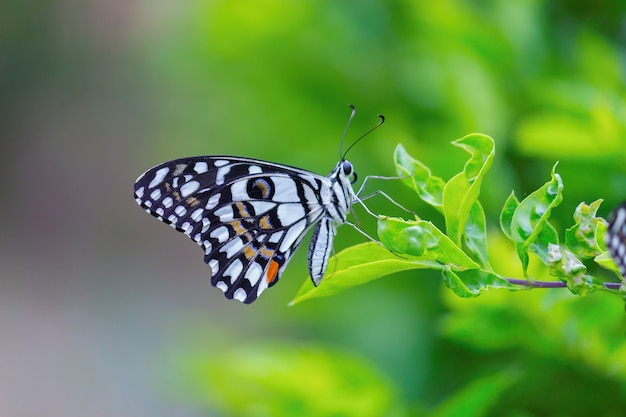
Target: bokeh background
x,y
106,312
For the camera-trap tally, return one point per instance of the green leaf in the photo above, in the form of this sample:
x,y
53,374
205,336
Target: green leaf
x,y
471,282
530,229
475,236
606,261
568,268
475,399
461,192
422,241
587,234
506,216
358,265
428,187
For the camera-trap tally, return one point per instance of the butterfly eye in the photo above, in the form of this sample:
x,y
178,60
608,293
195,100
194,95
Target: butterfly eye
x,y
346,168
348,171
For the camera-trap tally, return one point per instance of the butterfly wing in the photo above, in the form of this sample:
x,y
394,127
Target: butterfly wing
x,y
249,216
616,237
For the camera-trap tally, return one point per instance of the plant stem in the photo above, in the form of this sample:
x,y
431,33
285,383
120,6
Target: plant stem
x,y
537,284
554,284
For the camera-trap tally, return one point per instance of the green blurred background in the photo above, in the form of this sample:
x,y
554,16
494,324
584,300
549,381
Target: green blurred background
x,y
106,312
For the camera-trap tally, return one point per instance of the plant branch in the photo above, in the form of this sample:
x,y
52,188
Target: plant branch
x,y
555,284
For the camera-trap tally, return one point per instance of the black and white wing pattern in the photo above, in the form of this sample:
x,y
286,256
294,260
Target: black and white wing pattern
x,y
248,216
616,237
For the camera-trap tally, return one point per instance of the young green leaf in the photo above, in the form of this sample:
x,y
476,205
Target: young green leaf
x,y
471,282
530,229
428,187
421,240
568,268
583,238
475,236
506,216
461,192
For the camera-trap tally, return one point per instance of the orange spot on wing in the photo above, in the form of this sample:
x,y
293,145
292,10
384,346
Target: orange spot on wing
x,y
238,227
249,252
264,222
242,209
192,201
268,253
272,271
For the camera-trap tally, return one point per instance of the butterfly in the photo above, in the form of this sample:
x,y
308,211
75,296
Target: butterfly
x,y
616,237
249,216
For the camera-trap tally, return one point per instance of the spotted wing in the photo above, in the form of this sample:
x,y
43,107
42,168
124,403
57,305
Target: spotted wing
x,y
249,216
616,237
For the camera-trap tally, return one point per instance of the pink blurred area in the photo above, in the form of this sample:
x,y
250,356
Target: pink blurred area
x,y
87,299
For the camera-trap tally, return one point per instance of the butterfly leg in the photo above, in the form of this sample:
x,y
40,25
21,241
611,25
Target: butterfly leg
x,y
361,200
361,231
379,177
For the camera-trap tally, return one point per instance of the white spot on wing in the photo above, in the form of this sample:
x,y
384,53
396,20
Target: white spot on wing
x,y
159,176
262,287
238,191
290,213
220,162
255,169
285,189
221,234
275,237
214,265
213,200
225,213
139,192
205,224
233,271
180,210
240,295
292,234
253,274
222,286
168,202
156,194
221,173
232,247
201,167
197,214
189,187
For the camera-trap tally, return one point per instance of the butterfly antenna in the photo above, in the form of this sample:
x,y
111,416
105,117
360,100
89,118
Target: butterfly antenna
x,y
380,122
346,129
